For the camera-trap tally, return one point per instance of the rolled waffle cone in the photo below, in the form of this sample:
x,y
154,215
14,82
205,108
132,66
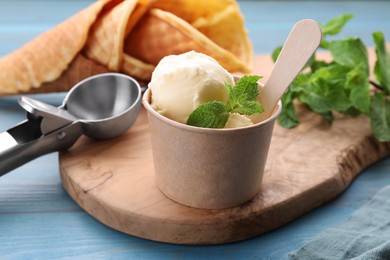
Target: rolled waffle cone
x,y
161,33
220,21
46,57
129,36
79,69
106,39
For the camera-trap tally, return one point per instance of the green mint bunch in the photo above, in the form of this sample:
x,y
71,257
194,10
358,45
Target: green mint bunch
x,y
242,99
343,84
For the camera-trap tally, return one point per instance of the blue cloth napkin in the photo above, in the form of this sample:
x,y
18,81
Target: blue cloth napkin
x,y
364,235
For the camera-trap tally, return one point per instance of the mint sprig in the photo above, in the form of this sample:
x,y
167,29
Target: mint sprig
x,y
342,85
242,99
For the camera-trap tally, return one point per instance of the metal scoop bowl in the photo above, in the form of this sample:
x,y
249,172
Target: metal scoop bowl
x,y
101,107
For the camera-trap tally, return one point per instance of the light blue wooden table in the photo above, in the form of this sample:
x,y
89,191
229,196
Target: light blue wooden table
x,y
39,220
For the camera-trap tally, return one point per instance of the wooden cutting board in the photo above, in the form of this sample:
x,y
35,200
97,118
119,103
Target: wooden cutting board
x,y
307,166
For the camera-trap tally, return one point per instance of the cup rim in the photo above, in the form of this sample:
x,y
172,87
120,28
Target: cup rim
x,y
146,103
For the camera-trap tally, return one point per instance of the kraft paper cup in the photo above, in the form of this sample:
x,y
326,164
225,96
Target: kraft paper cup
x,y
208,168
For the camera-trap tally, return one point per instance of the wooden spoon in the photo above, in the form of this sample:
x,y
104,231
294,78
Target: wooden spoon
x,y
300,45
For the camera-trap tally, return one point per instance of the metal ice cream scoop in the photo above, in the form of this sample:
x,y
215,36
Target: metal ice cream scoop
x,y
101,107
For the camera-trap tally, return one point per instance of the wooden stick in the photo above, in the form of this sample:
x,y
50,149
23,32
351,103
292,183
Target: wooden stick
x,y
300,45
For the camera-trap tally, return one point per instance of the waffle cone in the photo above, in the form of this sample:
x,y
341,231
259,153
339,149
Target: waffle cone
x,y
107,36
220,21
79,69
46,57
137,68
129,36
161,33
105,41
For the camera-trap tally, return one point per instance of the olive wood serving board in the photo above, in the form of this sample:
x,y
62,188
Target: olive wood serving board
x,y
113,180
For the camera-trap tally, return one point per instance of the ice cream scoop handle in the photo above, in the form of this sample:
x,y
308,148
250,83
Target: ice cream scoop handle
x,y
24,143
300,45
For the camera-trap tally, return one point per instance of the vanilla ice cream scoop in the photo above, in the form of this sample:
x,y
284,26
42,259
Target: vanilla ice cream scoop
x,y
237,120
180,83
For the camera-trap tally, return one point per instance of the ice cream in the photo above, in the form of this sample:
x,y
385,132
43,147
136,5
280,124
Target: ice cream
x,y
237,120
180,83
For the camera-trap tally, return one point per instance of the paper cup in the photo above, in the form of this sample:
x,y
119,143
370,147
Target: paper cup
x,y
208,168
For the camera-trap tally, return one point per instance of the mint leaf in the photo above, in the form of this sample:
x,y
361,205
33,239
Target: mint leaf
x,y
276,52
243,96
324,90
324,44
335,25
246,88
249,108
380,117
358,84
333,73
212,114
382,65
232,100
350,52
288,118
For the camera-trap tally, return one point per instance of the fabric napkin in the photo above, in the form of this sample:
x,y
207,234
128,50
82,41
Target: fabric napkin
x,y
364,235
